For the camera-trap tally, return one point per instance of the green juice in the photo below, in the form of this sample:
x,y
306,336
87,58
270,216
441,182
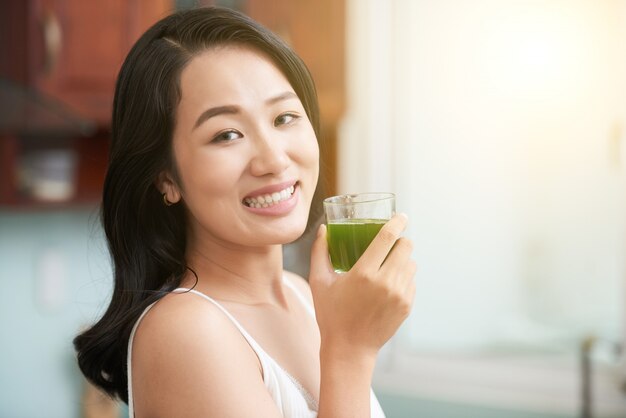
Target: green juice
x,y
348,239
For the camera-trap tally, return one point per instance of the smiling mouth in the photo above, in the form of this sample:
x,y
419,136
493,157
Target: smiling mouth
x,y
270,199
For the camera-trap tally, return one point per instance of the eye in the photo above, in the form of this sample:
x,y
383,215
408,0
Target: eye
x,y
227,136
286,119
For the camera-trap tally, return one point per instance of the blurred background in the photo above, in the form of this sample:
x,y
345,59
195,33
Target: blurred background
x,y
500,124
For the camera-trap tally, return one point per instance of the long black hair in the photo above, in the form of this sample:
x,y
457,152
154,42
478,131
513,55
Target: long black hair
x,y
146,238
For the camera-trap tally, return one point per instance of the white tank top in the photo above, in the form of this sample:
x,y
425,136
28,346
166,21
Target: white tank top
x,y
292,399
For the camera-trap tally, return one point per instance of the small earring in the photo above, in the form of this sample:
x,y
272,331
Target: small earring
x,y
167,202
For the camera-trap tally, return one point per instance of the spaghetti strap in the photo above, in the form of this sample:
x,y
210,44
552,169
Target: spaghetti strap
x,y
129,359
262,355
243,331
255,346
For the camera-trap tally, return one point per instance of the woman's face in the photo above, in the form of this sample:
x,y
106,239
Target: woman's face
x,y
246,152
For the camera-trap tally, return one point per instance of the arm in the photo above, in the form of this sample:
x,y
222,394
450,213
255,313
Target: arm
x,y
346,378
358,312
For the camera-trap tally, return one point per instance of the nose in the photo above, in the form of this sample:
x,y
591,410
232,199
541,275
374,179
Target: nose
x,y
270,157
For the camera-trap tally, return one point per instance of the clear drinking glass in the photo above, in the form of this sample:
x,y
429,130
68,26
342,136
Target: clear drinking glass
x,y
353,220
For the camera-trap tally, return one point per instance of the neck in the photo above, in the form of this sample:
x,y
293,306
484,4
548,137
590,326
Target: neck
x,y
249,275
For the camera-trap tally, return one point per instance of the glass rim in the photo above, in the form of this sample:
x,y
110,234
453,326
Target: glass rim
x,y
367,197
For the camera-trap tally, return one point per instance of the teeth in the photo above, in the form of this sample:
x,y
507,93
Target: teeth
x,y
268,200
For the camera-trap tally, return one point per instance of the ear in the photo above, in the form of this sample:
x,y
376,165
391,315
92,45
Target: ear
x,y
166,185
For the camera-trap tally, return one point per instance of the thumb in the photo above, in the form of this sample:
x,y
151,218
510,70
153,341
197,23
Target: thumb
x,y
320,261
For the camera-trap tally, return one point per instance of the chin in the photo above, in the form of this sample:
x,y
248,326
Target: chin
x,y
291,234
296,236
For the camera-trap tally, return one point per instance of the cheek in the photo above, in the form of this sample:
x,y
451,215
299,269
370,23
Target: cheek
x,y
308,152
208,176
315,161
314,158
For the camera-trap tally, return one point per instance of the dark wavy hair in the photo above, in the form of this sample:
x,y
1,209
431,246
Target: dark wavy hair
x,y
146,239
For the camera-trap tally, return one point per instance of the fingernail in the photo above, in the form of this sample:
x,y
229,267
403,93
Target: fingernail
x,y
404,215
321,230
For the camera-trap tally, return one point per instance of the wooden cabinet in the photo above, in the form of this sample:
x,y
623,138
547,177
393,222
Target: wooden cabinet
x,y
64,55
53,172
73,49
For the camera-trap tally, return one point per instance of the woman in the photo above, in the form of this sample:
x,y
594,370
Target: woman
x,y
214,163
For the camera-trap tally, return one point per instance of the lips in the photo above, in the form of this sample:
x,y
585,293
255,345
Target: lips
x,y
270,196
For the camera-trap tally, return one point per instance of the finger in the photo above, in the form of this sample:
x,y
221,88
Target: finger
x,y
406,294
410,294
407,278
397,258
320,260
375,254
406,282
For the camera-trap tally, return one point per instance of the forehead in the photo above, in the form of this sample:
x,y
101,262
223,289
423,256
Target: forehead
x,y
230,73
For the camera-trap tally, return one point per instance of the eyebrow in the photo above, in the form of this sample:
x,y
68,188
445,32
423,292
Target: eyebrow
x,y
232,110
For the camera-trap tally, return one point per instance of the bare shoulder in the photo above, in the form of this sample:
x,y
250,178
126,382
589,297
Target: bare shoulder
x,y
189,359
301,284
183,318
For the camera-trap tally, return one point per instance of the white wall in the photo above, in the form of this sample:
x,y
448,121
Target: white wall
x,y
501,126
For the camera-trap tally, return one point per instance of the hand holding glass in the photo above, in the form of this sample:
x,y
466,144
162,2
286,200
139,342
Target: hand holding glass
x,y
353,220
